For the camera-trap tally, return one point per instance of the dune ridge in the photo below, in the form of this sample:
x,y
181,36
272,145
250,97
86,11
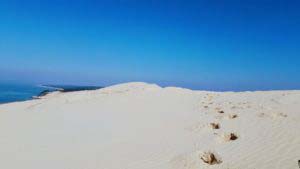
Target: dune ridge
x,y
141,126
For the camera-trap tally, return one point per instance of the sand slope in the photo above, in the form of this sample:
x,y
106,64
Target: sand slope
x,y
144,126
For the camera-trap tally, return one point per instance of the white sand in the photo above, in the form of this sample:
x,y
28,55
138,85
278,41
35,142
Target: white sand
x,y
143,126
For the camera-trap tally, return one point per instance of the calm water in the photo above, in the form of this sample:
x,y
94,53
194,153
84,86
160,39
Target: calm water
x,y
15,92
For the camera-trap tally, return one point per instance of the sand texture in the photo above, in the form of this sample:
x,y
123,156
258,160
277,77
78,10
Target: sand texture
x,y
144,126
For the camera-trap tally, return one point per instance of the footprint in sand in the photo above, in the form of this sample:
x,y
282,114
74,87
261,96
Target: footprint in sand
x,y
210,158
215,125
221,112
232,116
195,160
273,115
228,137
206,105
229,116
200,126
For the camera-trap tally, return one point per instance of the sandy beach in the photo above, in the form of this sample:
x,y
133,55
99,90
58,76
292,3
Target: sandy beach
x,y
144,126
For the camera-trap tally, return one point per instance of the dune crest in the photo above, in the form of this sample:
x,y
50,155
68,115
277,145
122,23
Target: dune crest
x,y
141,126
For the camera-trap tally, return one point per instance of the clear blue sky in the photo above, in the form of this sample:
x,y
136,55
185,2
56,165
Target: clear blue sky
x,y
209,44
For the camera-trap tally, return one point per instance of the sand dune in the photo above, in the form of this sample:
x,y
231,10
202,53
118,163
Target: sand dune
x,y
144,126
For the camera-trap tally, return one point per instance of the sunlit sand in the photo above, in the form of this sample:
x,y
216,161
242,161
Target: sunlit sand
x,y
143,126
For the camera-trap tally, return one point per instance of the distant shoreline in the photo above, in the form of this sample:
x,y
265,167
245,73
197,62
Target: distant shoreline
x,y
21,93
63,89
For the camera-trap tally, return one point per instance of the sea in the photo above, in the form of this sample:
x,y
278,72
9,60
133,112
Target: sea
x,y
22,92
